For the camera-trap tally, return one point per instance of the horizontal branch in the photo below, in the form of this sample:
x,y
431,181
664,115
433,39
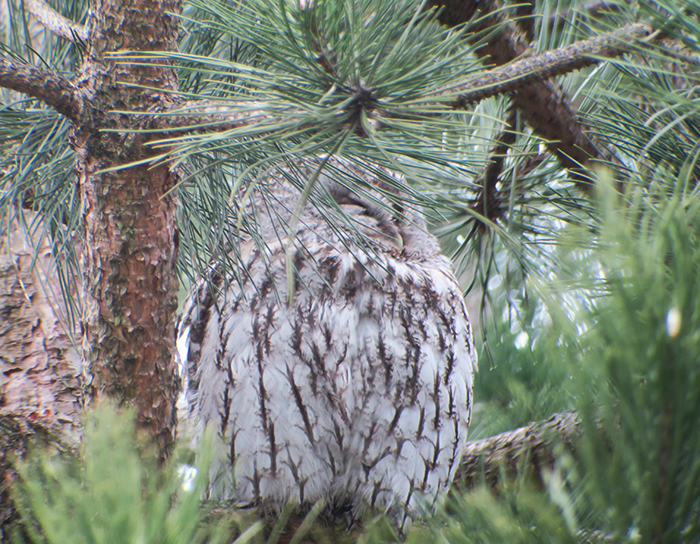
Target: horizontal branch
x,y
534,443
42,84
560,61
55,22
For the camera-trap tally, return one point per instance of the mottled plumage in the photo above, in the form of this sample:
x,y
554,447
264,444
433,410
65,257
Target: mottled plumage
x,y
359,394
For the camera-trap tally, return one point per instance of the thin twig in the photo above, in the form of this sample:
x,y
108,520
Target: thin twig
x,y
45,85
55,22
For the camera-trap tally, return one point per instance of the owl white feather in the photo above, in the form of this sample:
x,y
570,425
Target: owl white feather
x,y
357,394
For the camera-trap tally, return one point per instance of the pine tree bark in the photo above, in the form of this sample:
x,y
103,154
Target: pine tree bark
x,y
529,448
129,213
41,385
130,240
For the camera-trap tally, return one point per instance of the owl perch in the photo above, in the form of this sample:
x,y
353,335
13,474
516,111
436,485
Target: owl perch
x,y
527,448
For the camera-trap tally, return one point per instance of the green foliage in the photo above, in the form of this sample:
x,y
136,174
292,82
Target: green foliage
x,y
643,460
111,494
632,363
519,384
520,515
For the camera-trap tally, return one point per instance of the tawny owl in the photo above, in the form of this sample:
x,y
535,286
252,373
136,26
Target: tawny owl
x,y
358,393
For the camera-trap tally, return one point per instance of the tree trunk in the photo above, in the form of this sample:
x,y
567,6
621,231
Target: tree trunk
x,y
129,248
129,214
41,378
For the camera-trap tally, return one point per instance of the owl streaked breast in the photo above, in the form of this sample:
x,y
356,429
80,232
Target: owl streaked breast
x,y
359,392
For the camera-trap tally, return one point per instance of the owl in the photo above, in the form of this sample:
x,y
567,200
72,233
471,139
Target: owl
x,y
337,365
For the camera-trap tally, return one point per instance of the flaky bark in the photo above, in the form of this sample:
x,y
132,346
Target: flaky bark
x,y
46,85
41,378
129,214
529,447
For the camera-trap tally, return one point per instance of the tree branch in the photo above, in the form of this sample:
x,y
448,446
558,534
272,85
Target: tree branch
x,y
488,202
534,443
55,22
524,79
560,61
544,106
45,85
